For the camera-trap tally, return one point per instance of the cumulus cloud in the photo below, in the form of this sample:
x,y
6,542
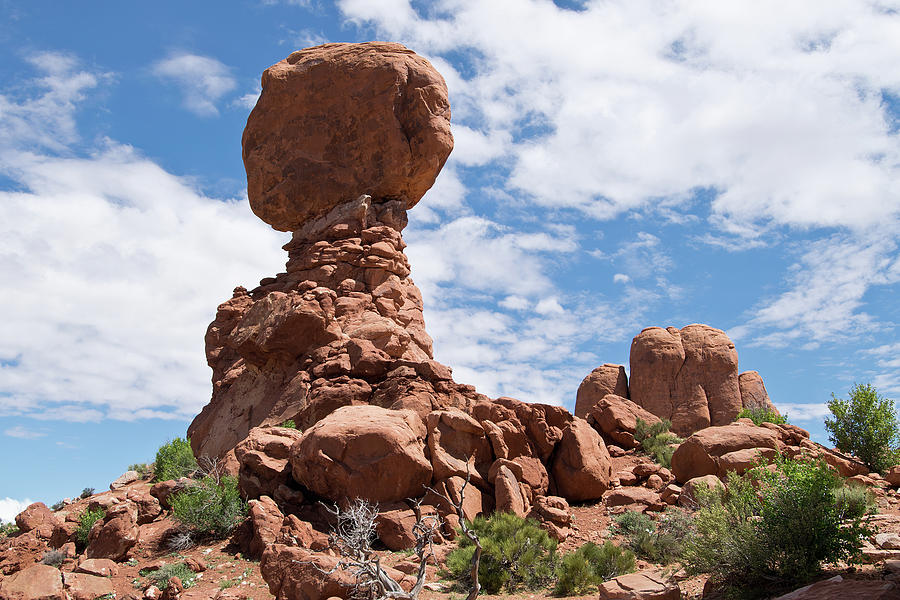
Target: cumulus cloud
x,y
202,81
118,266
10,507
23,433
804,412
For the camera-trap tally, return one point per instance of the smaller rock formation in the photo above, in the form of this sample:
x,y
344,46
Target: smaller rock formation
x,y
712,451
643,585
753,392
605,379
616,419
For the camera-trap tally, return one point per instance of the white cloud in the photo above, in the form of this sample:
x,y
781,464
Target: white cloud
x,y
23,433
804,412
621,278
203,81
10,507
249,99
119,266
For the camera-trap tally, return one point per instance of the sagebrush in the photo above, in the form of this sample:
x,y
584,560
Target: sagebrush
x,y
660,542
160,577
210,508
657,441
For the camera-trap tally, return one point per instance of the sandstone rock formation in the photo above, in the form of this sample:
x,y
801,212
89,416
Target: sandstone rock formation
x,y
337,121
753,392
616,419
605,379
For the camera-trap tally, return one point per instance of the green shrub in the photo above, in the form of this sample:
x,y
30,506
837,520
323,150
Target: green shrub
x,y
173,460
854,501
773,525
583,570
865,426
142,469
516,553
761,414
58,506
86,521
661,542
86,492
289,424
8,529
657,441
210,508
160,577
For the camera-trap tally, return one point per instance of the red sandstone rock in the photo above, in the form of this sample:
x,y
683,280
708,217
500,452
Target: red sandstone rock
x,y
581,467
456,440
340,120
644,585
688,495
366,452
264,460
606,379
114,536
508,495
689,377
838,588
101,567
266,521
164,489
616,418
37,518
81,586
631,495
700,453
37,582
753,392
148,506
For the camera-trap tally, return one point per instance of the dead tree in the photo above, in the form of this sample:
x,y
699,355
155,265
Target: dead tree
x,y
352,538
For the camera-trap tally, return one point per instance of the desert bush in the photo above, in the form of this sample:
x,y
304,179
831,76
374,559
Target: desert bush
x,y
583,570
657,441
54,558
516,553
86,492
776,524
58,505
660,542
289,424
86,521
866,426
210,508
8,529
854,501
173,460
761,414
160,577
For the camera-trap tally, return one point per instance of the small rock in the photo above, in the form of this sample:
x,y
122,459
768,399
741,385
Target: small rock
x,y
124,479
887,541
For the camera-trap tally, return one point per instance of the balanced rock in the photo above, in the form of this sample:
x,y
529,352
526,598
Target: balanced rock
x,y
753,392
605,379
339,120
364,452
582,467
688,376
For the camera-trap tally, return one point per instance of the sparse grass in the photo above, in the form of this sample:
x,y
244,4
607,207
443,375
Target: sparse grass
x,y
657,441
160,578
86,521
762,415
289,424
854,501
54,558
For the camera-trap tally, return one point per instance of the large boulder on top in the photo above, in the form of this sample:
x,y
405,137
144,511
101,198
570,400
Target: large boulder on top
x,y
616,419
339,120
716,450
688,376
605,379
364,452
581,466
37,518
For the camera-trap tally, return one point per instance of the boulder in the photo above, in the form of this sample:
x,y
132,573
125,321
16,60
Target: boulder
x,y
838,588
688,376
340,120
126,478
753,392
81,586
101,567
164,489
37,582
395,527
364,451
148,506
265,521
553,509
508,495
631,495
893,476
700,453
604,380
264,459
643,585
456,440
114,535
615,417
39,519
581,466
688,493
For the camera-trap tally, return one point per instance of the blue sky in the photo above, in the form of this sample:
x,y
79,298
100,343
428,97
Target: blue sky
x,y
617,165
